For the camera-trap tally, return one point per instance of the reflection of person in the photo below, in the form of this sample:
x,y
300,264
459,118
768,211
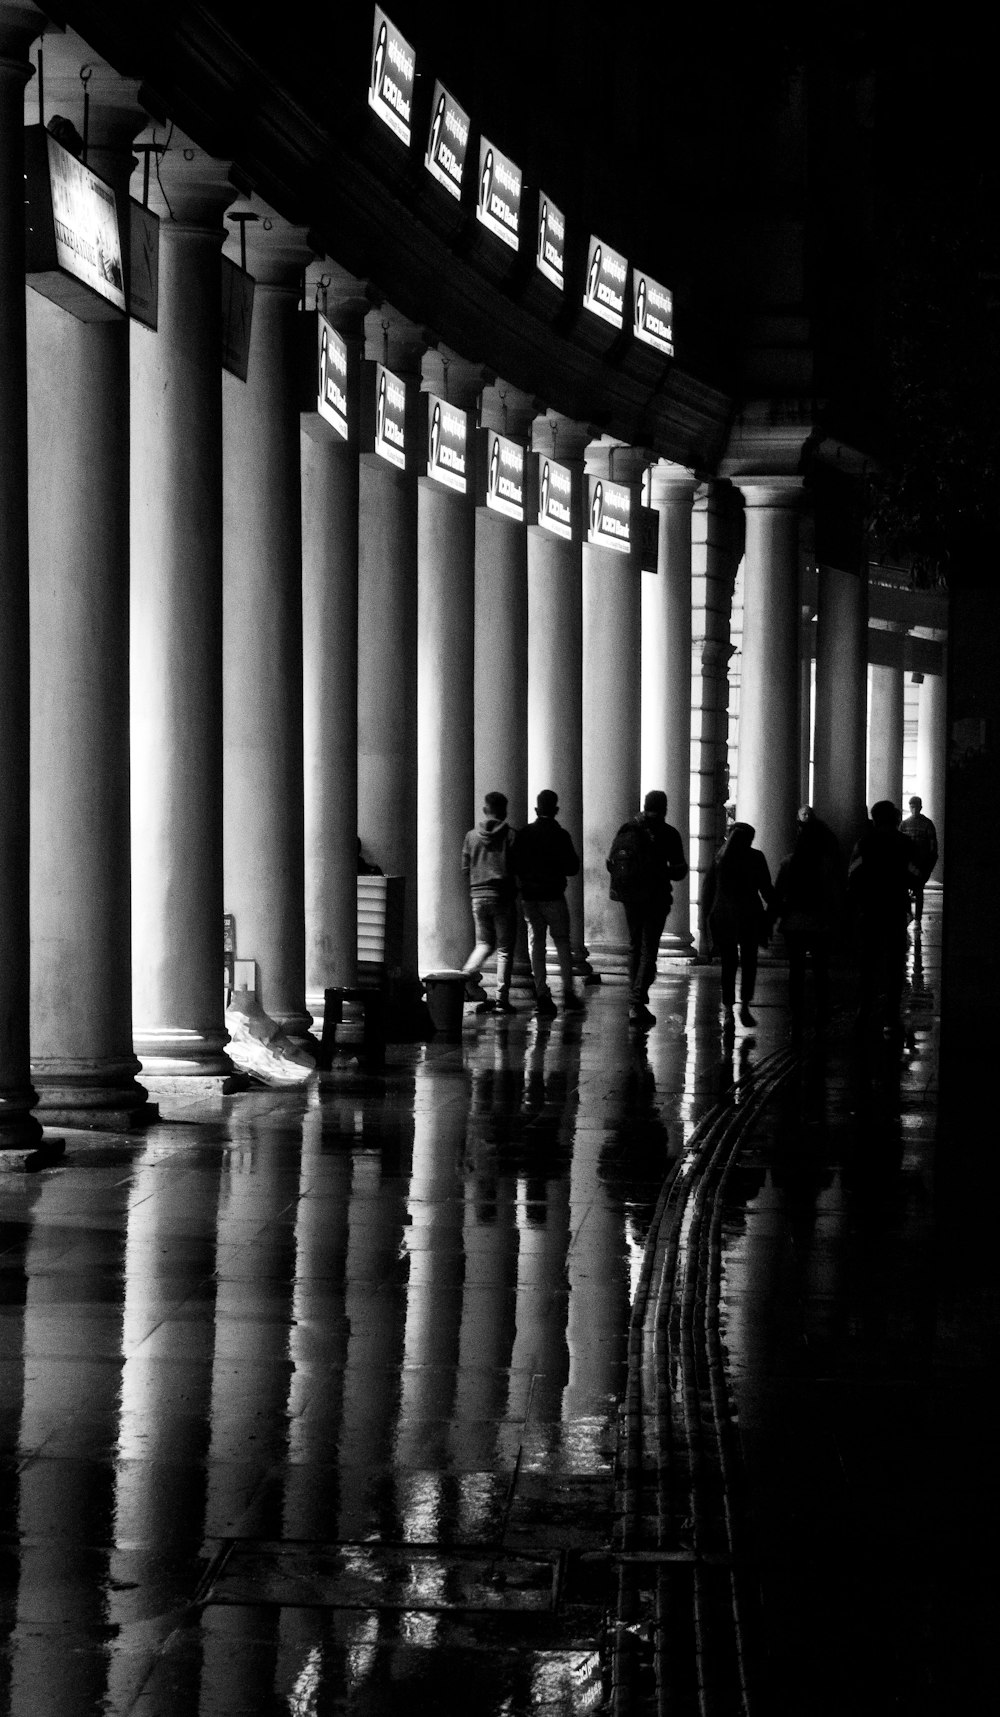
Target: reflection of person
x,y
646,857
544,856
487,863
880,876
808,903
737,901
921,831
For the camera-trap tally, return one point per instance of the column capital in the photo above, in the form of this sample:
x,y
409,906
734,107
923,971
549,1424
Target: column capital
x,y
785,493
115,113
187,188
277,252
508,410
343,299
455,379
616,461
562,438
393,340
671,485
20,24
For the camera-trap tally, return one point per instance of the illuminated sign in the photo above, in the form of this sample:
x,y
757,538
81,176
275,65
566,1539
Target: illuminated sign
x,y
72,240
447,141
447,444
331,376
607,273
609,509
654,314
550,256
499,203
555,497
390,417
237,318
504,469
390,86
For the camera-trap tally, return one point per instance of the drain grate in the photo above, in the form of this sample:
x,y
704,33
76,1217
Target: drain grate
x,y
367,1576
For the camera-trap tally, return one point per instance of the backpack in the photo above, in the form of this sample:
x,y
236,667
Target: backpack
x,y
628,864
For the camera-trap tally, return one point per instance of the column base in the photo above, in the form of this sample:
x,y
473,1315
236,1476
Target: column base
x,y
677,945
102,1095
20,1130
178,1098
28,1159
611,959
172,1053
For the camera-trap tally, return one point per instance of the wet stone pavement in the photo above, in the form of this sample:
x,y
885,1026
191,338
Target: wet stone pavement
x,y
321,1404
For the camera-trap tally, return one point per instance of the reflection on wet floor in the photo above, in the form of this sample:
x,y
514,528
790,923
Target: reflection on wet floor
x,y
314,1407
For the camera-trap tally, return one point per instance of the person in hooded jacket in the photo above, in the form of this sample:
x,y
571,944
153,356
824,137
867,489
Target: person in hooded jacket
x,y
487,862
737,902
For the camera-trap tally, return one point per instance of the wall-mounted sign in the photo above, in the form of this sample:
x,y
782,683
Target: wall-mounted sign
x,y
551,254
144,265
503,471
447,444
237,318
390,86
555,497
447,141
609,514
331,377
653,314
389,439
607,272
499,203
73,252
649,538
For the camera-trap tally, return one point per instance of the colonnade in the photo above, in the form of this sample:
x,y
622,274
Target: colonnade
x,y
251,644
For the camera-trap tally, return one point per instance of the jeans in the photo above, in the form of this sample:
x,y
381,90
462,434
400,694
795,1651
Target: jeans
x,y
735,954
496,927
645,920
543,915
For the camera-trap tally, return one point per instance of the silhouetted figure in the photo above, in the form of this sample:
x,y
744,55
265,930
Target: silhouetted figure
x,y
737,903
880,876
921,831
809,897
646,857
488,865
543,857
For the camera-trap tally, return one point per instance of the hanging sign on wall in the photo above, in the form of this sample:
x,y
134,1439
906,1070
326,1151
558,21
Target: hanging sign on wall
x,y
447,141
502,484
609,514
499,203
447,444
550,257
653,314
607,273
390,85
73,252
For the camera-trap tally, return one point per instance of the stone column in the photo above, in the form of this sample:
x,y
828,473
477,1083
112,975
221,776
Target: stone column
x,y
885,737
716,546
387,642
666,675
330,676
18,1127
555,659
176,636
612,651
841,703
932,758
501,655
446,585
78,419
262,633
807,641
769,686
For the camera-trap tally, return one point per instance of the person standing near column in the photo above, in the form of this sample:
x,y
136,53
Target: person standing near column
x,y
544,856
646,857
738,901
488,866
923,834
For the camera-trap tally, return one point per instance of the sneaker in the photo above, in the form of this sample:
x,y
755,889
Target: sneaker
x,y
503,1005
746,1017
545,1007
640,1015
572,1004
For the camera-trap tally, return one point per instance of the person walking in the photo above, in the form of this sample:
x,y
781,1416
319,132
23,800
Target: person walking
x,y
543,857
880,878
487,864
809,898
646,857
737,902
921,831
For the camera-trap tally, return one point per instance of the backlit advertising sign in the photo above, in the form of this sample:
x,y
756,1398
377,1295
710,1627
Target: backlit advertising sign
x,y
504,467
555,497
609,514
71,231
653,310
390,85
499,203
447,141
331,376
550,257
607,272
390,417
447,444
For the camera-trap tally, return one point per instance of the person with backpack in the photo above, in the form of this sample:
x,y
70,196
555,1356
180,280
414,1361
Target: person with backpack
x,y
646,857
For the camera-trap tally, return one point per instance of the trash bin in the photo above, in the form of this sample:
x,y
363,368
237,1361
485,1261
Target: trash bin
x,y
445,993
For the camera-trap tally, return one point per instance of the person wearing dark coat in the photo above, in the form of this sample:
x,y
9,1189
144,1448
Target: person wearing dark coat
x,y
654,859
737,903
809,899
880,876
543,857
